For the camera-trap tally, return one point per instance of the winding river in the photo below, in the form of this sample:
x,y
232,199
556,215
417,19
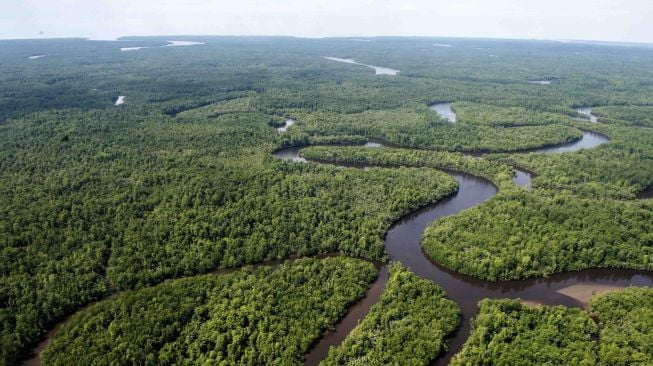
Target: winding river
x,y
378,70
589,140
403,243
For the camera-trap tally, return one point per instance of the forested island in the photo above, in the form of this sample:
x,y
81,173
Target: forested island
x,y
157,208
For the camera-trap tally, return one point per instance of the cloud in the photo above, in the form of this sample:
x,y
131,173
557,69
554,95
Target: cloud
x,y
578,19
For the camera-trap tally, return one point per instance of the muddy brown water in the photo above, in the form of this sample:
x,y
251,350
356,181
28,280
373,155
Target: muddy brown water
x,y
403,243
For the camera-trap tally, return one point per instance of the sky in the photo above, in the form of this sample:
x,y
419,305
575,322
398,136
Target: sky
x,y
605,20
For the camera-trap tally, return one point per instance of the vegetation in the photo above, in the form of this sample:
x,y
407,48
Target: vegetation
x,y
557,230
626,321
484,114
254,316
505,332
419,127
641,116
408,326
127,202
619,169
499,173
179,180
519,234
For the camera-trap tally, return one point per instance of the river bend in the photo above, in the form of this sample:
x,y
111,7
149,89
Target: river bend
x,y
403,244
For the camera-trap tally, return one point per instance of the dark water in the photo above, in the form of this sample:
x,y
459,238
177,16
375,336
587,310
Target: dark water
x,y
522,178
645,194
350,321
403,243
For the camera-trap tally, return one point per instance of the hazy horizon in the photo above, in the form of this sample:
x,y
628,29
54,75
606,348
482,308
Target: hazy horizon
x,y
599,20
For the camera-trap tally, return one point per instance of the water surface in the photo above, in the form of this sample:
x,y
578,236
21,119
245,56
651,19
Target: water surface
x,y
379,70
403,244
587,111
589,140
354,315
522,178
182,43
373,144
646,193
289,122
541,82
120,100
132,48
445,111
170,44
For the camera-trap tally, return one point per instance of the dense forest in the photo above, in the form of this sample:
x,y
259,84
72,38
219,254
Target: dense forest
x,y
618,169
558,231
126,202
639,116
521,234
255,316
98,198
408,326
418,127
626,321
506,332
496,171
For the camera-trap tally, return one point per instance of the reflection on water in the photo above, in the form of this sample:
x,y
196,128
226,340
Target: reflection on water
x,y
403,244
289,122
588,141
379,70
587,111
170,44
445,111
373,144
182,43
132,48
540,82
120,100
522,178
290,154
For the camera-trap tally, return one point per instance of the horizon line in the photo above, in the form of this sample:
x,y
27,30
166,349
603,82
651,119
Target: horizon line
x,y
121,38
